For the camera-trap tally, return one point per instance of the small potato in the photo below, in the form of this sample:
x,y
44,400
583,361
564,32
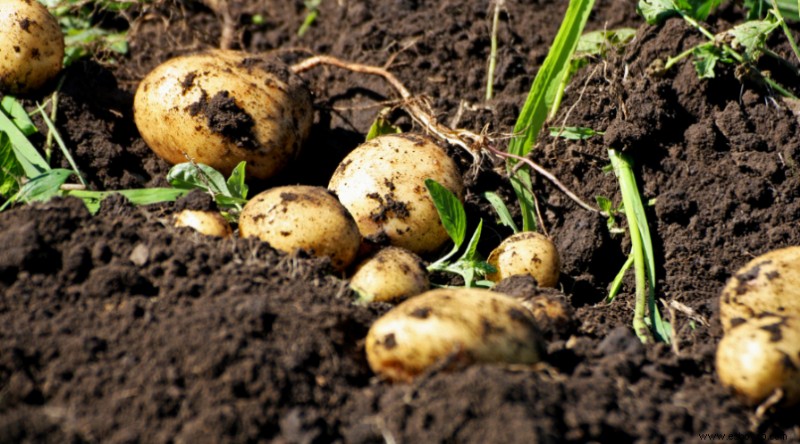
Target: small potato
x,y
31,46
382,184
452,327
526,253
210,223
760,356
768,284
223,107
390,275
301,217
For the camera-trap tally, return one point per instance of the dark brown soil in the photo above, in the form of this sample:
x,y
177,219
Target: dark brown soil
x,y
119,328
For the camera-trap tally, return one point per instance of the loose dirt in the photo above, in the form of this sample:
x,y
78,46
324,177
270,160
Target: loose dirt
x,y
119,327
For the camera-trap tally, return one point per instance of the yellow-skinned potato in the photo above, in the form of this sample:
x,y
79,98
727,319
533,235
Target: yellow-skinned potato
x,y
526,253
210,223
223,107
301,217
31,46
382,184
760,356
768,284
390,275
452,327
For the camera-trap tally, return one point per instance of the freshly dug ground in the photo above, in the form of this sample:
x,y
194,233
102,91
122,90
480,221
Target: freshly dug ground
x,y
119,328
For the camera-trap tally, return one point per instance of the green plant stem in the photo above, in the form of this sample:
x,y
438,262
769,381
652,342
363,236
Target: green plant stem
x,y
53,130
673,60
623,171
498,4
785,27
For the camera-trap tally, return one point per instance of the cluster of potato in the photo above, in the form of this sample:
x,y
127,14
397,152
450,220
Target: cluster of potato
x,y
759,354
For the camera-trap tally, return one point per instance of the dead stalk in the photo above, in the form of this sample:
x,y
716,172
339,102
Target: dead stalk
x,y
472,143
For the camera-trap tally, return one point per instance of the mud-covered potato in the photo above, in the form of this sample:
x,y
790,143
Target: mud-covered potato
x,y
31,46
452,328
390,275
301,217
768,284
223,107
382,184
526,253
760,356
210,223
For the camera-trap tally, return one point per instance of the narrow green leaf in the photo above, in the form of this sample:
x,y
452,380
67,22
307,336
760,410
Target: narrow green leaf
x,y
542,95
147,196
574,132
18,115
501,209
472,247
44,186
616,284
451,211
10,169
236,185
33,164
60,142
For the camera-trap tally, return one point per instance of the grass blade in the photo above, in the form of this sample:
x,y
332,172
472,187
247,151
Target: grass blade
x,y
33,164
147,196
451,211
18,115
540,98
60,142
501,209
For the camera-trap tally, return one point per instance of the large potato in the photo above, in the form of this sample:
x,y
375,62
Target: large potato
x,y
31,46
223,107
452,327
769,284
526,253
300,217
382,184
390,275
760,356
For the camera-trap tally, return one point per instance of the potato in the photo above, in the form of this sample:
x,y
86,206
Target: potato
x,y
768,284
301,217
526,253
551,309
452,328
760,356
31,46
390,275
210,223
382,184
223,107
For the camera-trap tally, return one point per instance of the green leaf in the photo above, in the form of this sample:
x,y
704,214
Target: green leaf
x,y
191,176
616,284
380,127
33,164
574,132
451,211
10,169
44,187
501,209
752,36
605,204
18,115
596,43
706,58
758,9
236,185
472,246
656,11
542,95
147,196
699,9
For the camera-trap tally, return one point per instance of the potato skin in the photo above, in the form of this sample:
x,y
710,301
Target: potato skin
x,y
31,46
209,223
298,217
768,284
222,107
456,327
761,355
382,184
390,275
526,253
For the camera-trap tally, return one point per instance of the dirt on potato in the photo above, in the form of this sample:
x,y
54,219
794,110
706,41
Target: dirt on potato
x,y
119,327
